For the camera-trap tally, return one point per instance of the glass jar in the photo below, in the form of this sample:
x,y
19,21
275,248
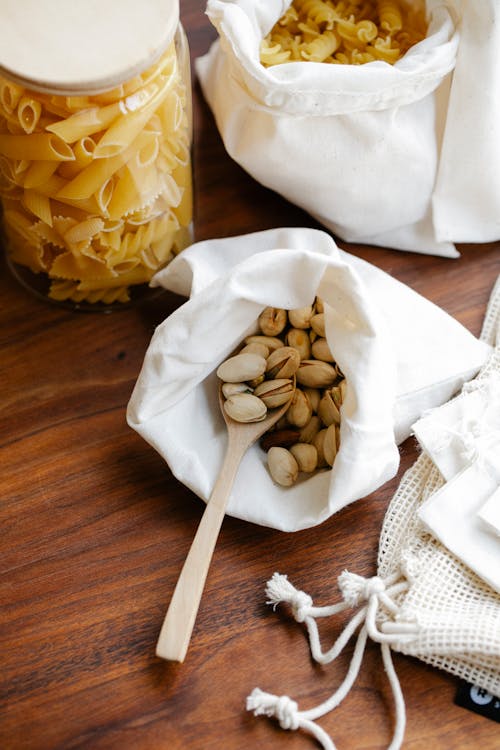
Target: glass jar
x,y
95,146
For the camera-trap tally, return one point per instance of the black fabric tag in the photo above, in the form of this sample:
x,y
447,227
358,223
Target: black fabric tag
x,y
478,700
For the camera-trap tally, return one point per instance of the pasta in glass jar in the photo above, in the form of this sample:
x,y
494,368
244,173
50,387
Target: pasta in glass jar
x,y
95,155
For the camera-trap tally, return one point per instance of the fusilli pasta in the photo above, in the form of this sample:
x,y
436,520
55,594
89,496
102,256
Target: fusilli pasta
x,y
348,32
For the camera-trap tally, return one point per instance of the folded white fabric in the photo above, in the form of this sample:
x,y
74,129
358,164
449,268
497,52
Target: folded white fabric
x,y
489,513
451,514
463,440
357,146
400,355
466,203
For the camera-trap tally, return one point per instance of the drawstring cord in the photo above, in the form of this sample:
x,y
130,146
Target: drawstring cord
x,y
378,594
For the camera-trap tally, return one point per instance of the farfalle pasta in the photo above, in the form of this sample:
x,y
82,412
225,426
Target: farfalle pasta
x,y
351,32
96,190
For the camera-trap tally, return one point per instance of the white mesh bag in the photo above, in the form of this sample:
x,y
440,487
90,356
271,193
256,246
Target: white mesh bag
x,y
425,600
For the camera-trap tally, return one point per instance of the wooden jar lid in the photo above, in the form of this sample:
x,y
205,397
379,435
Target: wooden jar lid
x,y
75,46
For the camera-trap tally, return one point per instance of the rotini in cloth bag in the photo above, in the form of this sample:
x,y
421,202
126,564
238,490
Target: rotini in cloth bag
x,y
425,600
357,146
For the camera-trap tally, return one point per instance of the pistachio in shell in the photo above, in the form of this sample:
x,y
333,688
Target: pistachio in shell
x,y
330,444
318,324
283,363
310,430
306,456
321,350
261,349
230,389
241,367
301,316
299,412
282,465
300,341
272,342
275,393
316,374
272,321
245,407
327,409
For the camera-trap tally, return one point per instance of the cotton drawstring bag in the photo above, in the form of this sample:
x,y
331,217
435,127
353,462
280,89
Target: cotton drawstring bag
x,y
400,355
357,146
466,201
426,600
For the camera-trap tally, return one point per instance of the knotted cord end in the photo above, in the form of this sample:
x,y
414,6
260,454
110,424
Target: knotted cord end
x,y
356,589
279,589
281,707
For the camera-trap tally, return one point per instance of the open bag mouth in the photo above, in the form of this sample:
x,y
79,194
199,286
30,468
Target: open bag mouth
x,y
177,387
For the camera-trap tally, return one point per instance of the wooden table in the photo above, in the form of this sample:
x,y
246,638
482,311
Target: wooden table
x,y
94,531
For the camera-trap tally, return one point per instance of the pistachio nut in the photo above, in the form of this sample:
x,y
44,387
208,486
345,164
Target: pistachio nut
x,y
275,392
272,342
318,324
299,412
283,362
300,341
306,456
327,409
230,389
330,444
301,316
343,390
283,438
261,349
316,374
336,392
254,382
314,396
241,367
321,350
245,407
282,466
272,321
318,305
319,443
311,429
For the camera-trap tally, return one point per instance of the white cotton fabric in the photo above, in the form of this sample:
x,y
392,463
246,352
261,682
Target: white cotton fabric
x,y
466,202
455,604
357,146
489,513
400,355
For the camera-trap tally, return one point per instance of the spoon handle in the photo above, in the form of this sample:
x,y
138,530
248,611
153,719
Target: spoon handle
x,y
179,621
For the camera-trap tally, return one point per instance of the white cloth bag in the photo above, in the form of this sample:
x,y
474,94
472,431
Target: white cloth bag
x,y
426,599
400,355
466,202
356,146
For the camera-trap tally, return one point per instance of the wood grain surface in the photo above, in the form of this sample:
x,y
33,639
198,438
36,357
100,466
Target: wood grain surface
x,y
94,530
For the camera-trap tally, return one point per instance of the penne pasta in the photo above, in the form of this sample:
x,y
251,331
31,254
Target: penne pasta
x,y
10,94
121,134
28,113
97,189
44,146
39,172
39,205
90,179
86,122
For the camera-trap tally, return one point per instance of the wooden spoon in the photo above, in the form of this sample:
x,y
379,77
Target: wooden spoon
x,y
181,615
